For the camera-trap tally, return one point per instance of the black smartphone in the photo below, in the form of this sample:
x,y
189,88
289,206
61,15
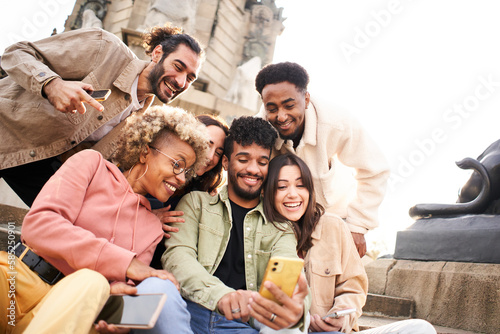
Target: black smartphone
x,y
132,311
100,95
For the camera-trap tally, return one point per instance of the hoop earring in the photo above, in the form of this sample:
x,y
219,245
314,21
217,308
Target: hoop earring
x,y
140,177
130,170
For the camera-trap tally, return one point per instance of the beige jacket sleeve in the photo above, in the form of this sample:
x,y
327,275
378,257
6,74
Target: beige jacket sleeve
x,y
334,271
358,151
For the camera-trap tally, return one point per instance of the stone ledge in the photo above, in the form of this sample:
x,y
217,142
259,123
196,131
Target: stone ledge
x,y
367,322
380,305
12,214
451,294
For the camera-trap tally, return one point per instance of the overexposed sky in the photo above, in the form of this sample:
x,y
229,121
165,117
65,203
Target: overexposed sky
x,y
422,76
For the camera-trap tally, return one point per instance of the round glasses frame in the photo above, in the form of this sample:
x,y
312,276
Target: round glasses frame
x,y
179,166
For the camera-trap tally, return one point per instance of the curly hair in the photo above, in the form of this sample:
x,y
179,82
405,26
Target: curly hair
x,y
156,126
286,71
169,37
247,130
304,227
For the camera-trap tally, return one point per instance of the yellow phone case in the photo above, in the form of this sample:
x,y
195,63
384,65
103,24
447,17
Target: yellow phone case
x,y
284,272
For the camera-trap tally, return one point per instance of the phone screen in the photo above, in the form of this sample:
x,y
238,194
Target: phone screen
x,y
100,95
133,311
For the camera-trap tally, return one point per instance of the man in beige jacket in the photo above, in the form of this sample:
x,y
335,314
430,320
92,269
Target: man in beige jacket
x,y
330,142
46,109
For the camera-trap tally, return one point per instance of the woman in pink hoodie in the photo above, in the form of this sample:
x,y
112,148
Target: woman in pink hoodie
x,y
93,215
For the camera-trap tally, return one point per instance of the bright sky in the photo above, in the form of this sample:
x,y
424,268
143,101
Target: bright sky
x,y
422,76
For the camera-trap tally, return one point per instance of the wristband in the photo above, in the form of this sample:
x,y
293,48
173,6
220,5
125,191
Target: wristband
x,y
44,84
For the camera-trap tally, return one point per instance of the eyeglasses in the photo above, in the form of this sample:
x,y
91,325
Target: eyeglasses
x,y
178,165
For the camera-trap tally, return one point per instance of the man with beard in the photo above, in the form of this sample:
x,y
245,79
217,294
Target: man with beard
x,y
331,142
220,253
47,114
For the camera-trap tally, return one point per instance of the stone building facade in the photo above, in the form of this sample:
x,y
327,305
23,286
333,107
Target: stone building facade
x,y
239,37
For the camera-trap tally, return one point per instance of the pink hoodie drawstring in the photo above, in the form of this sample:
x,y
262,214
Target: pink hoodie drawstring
x,y
135,223
112,240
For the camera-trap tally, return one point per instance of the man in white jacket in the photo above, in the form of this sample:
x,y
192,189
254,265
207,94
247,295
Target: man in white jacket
x,y
350,172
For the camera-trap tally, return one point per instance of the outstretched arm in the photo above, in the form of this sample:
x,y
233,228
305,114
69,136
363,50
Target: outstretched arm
x,y
54,67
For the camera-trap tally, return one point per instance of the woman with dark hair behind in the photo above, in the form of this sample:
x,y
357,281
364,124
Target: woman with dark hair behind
x,y
333,268
208,178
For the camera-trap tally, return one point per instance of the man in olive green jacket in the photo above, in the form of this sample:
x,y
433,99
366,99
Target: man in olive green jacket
x,y
45,106
220,253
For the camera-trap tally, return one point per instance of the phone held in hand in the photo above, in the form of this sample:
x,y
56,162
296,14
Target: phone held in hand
x,y
132,311
100,95
339,313
284,272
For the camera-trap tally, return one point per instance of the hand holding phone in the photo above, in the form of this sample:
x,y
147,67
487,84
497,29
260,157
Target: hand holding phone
x,y
100,95
339,313
284,272
69,96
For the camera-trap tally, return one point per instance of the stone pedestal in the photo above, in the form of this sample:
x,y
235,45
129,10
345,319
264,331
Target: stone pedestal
x,y
469,238
453,294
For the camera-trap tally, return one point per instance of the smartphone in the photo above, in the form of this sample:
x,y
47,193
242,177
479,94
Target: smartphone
x,y
339,313
133,311
284,272
100,95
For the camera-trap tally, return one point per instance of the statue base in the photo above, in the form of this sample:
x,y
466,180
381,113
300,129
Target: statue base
x,y
469,238
459,295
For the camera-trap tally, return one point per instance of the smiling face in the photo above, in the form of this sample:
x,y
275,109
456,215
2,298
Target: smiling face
x,y
247,169
173,75
217,137
291,197
285,108
160,181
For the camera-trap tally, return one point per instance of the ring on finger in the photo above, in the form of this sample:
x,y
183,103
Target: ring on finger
x,y
236,310
273,316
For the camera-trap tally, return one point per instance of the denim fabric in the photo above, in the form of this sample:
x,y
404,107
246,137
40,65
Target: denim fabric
x,y
174,318
204,321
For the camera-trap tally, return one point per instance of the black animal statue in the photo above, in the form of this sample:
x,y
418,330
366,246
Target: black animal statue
x,y
466,231
479,195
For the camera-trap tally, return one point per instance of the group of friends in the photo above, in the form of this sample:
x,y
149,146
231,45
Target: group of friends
x,y
128,198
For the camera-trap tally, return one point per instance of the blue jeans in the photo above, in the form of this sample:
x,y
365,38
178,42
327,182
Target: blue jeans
x,y
204,321
174,317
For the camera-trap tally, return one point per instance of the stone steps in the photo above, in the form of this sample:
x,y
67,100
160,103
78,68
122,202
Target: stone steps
x,y
387,306
381,310
367,322
11,219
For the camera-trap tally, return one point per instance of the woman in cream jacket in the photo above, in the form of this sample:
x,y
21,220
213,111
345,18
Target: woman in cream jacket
x,y
333,268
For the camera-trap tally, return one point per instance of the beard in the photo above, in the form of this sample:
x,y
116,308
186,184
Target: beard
x,y
155,77
247,194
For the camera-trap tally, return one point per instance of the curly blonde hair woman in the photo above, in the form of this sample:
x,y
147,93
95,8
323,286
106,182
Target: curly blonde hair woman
x,y
104,223
154,126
